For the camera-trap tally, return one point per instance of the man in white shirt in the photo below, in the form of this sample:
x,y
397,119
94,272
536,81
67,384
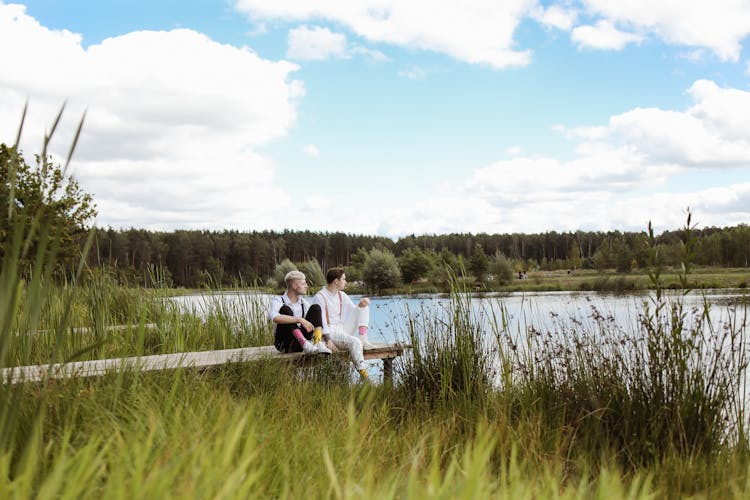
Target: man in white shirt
x,y
344,323
297,324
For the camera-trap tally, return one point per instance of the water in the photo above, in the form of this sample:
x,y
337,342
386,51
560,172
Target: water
x,y
543,311
554,312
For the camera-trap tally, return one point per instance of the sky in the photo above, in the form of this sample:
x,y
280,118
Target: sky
x,y
388,117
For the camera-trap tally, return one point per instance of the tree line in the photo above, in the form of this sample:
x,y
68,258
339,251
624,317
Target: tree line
x,y
44,208
193,258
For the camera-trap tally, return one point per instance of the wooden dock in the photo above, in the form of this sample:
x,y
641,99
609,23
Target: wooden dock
x,y
201,359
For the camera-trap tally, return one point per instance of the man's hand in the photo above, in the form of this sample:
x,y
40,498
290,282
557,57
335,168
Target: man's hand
x,y
364,302
306,325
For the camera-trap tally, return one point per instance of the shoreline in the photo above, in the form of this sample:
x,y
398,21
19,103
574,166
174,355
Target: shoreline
x,y
543,281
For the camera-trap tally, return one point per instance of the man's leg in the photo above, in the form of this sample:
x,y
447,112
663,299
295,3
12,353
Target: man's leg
x,y
315,316
357,325
290,337
354,346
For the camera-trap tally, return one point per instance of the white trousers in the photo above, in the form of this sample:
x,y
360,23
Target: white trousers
x,y
345,336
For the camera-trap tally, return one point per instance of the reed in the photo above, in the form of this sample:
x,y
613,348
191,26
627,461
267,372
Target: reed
x,y
669,388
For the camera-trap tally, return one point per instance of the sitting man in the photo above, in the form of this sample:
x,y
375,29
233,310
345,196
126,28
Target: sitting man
x,y
344,323
296,323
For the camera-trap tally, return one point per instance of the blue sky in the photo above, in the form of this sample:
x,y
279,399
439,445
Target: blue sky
x,y
391,118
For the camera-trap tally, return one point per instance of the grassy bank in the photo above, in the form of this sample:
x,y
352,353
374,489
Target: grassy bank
x,y
588,280
241,433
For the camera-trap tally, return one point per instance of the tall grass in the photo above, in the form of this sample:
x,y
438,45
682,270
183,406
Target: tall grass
x,y
194,435
450,361
97,319
455,424
669,389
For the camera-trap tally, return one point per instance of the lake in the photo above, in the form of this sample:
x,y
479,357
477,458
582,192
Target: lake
x,y
554,312
540,310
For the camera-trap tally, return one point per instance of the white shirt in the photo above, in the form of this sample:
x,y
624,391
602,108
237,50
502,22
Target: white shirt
x,y
336,307
299,308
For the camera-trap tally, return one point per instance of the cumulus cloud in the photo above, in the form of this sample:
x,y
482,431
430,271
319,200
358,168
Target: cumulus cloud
x,y
173,119
555,16
584,210
713,132
473,31
719,25
603,35
622,177
477,32
371,54
316,43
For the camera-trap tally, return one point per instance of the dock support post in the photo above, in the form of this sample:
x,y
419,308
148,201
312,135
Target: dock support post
x,y
388,370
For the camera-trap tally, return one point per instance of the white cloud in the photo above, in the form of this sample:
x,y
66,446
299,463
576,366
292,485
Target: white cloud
x,y
719,25
603,35
479,32
173,119
724,206
623,176
555,16
316,43
530,179
585,210
590,133
311,150
714,132
372,54
319,43
474,31
513,151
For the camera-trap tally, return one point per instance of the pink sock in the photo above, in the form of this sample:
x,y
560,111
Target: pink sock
x,y
363,330
298,335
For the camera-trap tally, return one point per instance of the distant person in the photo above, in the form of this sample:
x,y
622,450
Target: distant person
x,y
344,323
296,322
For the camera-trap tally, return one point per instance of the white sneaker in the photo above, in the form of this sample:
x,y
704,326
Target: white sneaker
x,y
310,348
365,342
323,348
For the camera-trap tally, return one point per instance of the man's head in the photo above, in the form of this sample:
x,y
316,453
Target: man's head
x,y
296,281
336,276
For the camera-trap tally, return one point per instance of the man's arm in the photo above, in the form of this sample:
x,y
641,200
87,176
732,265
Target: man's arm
x,y
273,308
286,319
318,299
363,302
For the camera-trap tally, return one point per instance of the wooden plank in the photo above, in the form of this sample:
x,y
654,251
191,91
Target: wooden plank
x,y
200,359
87,329
116,328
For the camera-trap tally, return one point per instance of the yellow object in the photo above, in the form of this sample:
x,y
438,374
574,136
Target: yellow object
x,y
363,373
317,335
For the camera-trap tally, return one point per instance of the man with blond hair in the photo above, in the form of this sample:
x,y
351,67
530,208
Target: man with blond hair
x,y
297,324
